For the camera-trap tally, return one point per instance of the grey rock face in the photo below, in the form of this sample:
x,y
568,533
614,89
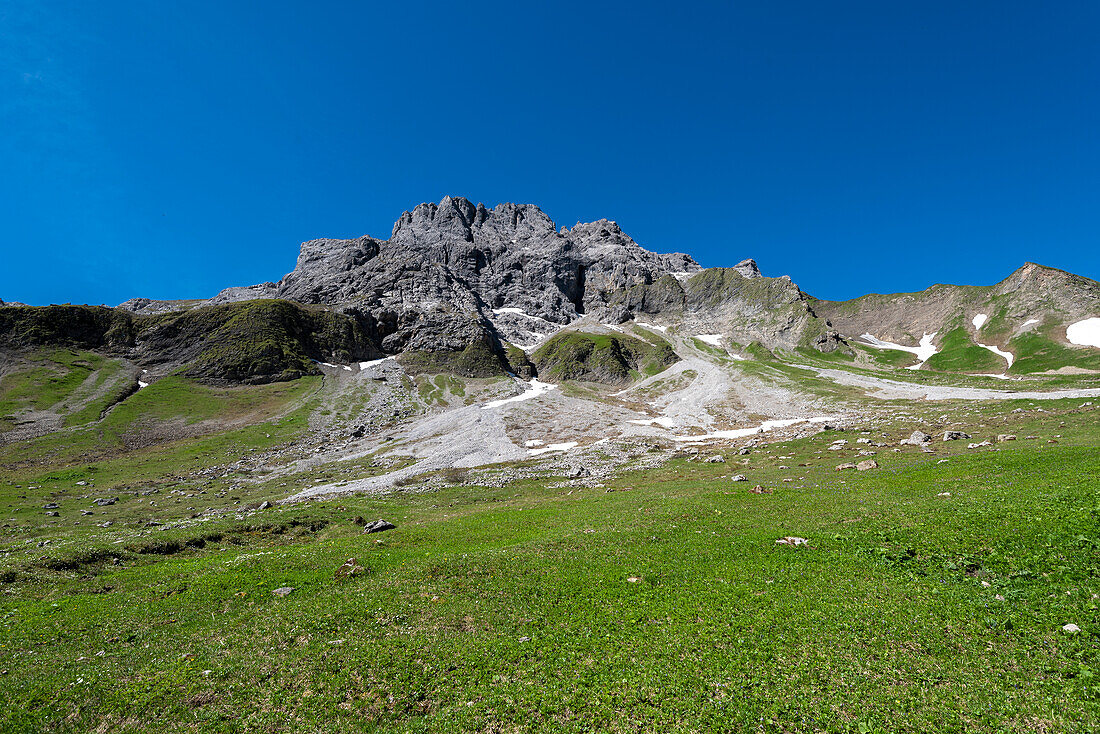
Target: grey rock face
x,y
748,268
446,267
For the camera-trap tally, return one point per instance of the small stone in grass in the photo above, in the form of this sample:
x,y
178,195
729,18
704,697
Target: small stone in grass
x,y
842,467
1071,628
865,465
633,579
944,494
760,490
792,540
283,590
378,526
738,478
1001,438
351,567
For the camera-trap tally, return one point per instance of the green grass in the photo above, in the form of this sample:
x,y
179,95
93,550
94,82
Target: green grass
x,y
123,436
611,359
959,354
47,384
1037,353
887,357
511,609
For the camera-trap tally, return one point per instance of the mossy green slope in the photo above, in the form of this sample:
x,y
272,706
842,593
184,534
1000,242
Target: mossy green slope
x,y
611,359
959,354
252,341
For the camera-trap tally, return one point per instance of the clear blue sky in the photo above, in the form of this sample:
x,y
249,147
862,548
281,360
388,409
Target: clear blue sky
x,y
170,149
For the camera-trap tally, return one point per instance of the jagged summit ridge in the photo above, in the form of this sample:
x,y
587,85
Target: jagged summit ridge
x,y
509,256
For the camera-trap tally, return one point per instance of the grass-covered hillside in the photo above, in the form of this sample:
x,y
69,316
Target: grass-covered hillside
x,y
251,342
608,358
931,594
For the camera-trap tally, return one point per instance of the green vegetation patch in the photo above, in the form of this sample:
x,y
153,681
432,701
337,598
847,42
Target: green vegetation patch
x,y
959,354
1038,353
611,359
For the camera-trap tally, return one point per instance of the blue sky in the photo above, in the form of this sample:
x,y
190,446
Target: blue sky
x,y
171,149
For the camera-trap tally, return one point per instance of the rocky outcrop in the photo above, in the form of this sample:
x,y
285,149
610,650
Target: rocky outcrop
x,y
447,267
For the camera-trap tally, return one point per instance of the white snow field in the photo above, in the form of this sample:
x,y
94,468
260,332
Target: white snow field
x,y
1084,333
924,349
537,388
715,340
979,320
743,432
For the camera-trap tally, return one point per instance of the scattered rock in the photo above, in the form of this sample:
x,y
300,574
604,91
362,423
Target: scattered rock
x,y
954,435
1071,628
792,540
738,478
842,467
978,445
865,465
917,438
744,451
282,590
378,526
944,494
633,579
1001,438
716,459
350,568
51,506
53,513
106,501
760,490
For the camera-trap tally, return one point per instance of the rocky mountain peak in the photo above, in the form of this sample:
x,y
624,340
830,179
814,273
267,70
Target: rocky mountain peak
x,y
748,268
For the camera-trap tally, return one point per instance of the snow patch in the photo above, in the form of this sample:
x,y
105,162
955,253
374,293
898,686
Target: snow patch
x,y
1009,357
1029,322
712,339
553,447
979,320
365,365
1084,333
643,324
537,388
682,277
142,384
743,432
924,349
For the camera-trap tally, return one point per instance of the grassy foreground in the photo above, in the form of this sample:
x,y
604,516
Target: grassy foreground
x,y
657,603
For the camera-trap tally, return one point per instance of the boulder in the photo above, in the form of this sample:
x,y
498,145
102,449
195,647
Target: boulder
x,y
1001,438
917,438
865,465
378,526
954,435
